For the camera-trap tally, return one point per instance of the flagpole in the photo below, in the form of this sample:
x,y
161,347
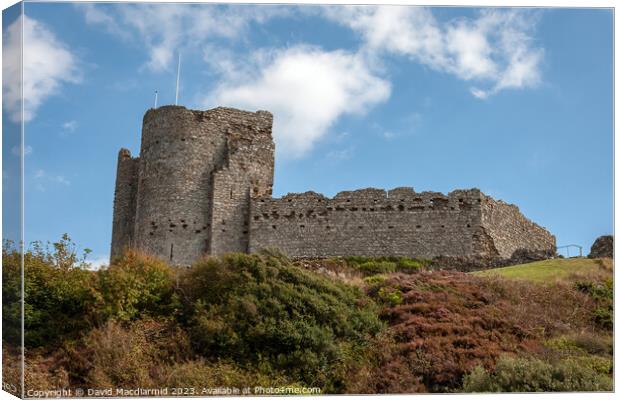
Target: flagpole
x,y
176,99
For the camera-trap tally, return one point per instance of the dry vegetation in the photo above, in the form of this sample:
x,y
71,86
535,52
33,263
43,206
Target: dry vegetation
x,y
353,325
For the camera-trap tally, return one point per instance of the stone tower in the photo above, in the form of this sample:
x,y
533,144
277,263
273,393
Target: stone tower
x,y
202,185
189,191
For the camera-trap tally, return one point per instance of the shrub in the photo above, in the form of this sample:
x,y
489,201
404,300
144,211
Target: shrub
x,y
564,345
543,310
443,324
135,286
603,294
594,344
586,349
261,310
377,267
604,316
59,294
408,264
375,279
204,374
352,260
532,375
390,296
600,365
599,291
119,355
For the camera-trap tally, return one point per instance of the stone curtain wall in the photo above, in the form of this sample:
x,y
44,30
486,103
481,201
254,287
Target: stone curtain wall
x,y
514,236
369,222
181,153
124,202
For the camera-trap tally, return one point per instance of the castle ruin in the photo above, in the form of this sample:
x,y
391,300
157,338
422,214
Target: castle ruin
x,y
203,181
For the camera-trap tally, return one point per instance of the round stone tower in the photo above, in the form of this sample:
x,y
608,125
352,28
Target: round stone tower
x,y
188,161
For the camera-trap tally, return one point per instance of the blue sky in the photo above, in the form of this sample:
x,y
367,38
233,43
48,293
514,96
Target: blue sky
x,y
515,102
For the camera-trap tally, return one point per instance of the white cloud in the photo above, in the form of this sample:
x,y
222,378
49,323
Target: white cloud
x,y
61,179
43,178
70,126
340,155
402,30
468,51
17,151
495,49
48,64
166,29
306,88
100,15
479,93
389,135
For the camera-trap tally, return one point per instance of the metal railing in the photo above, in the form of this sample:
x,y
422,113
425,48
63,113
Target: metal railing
x,y
568,247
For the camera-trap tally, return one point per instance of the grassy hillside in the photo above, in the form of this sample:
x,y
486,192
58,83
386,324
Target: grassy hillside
x,y
347,325
558,269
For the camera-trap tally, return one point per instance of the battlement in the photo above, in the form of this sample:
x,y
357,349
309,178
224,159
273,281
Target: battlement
x,y
203,181
124,154
372,222
400,199
256,120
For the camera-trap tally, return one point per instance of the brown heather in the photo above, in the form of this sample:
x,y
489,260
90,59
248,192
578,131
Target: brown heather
x,y
450,322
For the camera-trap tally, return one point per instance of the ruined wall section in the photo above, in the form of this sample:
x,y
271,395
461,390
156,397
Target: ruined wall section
x,y
369,222
124,202
514,236
247,172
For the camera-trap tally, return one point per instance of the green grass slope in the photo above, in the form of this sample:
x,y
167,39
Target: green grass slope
x,y
551,270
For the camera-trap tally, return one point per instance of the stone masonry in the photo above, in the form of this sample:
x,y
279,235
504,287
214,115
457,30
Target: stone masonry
x,y
398,222
188,193
202,186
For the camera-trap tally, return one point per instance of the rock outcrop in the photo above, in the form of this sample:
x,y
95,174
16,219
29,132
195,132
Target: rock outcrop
x,y
603,247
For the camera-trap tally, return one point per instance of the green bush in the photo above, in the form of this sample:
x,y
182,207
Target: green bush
x,y
564,345
390,296
533,375
356,260
408,264
604,316
136,286
377,267
375,279
600,365
59,294
261,310
603,294
382,265
598,290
